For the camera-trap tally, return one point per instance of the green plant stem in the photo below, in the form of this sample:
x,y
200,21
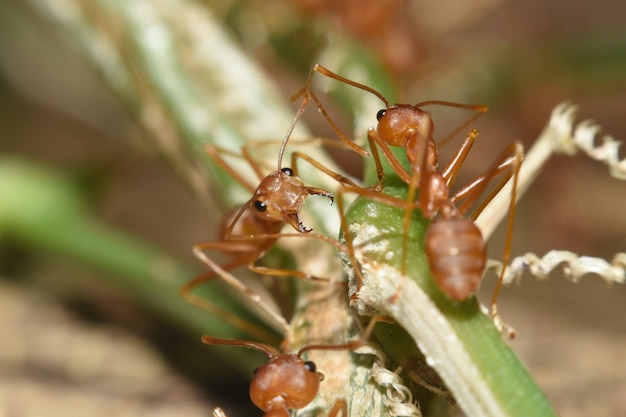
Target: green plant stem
x,y
460,342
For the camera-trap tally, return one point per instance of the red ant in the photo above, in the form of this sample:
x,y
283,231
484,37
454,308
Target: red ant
x,y
455,248
257,226
287,381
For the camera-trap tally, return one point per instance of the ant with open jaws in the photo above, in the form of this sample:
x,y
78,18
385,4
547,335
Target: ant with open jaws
x,y
455,247
287,381
256,227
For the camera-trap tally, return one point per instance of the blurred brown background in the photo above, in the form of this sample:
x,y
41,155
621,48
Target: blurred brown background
x,y
533,56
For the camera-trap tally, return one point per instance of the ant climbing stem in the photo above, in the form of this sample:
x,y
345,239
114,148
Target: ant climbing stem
x,y
287,381
256,226
402,125
455,247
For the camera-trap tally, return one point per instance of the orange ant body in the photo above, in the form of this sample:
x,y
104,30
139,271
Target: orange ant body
x,y
257,226
455,248
287,381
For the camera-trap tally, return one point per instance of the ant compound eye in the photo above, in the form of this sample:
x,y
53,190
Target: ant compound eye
x,y
310,366
380,114
287,171
260,206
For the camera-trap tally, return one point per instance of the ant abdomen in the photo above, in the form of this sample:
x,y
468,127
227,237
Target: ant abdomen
x,y
457,254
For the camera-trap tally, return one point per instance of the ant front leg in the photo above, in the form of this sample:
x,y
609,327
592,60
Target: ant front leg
x,y
344,138
375,140
297,155
217,153
340,408
306,94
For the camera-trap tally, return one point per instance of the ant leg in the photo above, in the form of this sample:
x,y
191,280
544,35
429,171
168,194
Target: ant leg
x,y
268,350
215,154
328,73
508,162
307,85
228,317
340,407
372,135
380,174
246,151
345,231
471,192
188,287
306,94
348,238
186,293
354,344
396,165
479,108
246,155
249,250
344,138
509,236
334,175
450,172
234,245
278,272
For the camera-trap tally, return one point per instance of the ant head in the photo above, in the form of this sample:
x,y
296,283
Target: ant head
x,y
280,197
285,382
401,122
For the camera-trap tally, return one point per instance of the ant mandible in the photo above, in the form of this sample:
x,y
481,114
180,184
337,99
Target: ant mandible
x,y
455,247
287,381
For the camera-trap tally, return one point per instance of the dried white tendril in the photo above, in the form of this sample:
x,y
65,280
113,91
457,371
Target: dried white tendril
x,y
574,267
398,397
569,140
561,137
